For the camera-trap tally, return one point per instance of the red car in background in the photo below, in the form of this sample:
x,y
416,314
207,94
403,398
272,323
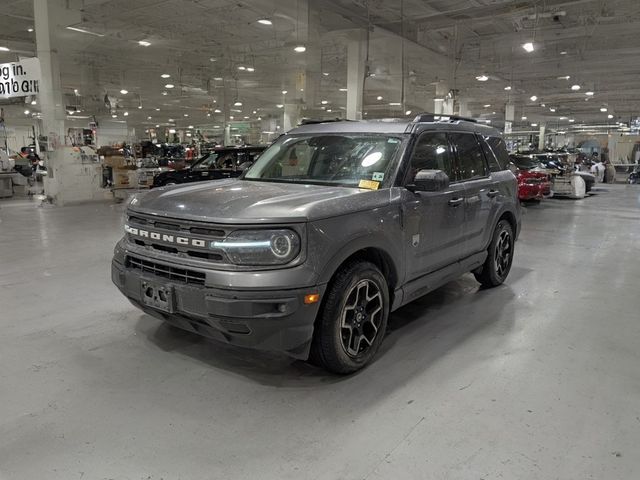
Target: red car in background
x,y
534,183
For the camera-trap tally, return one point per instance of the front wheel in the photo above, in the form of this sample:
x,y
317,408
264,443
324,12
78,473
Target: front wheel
x,y
353,319
496,267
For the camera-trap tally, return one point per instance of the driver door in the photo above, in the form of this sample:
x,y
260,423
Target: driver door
x,y
434,232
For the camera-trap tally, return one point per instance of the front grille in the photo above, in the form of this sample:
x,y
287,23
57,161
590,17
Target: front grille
x,y
181,228
181,275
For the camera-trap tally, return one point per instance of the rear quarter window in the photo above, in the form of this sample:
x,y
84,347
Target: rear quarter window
x,y
499,149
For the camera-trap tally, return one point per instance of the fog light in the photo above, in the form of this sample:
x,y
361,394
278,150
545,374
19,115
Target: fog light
x,y
311,298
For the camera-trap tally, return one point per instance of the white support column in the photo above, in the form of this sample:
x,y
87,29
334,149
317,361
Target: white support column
x,y
443,103
356,58
291,116
463,108
509,116
47,15
543,129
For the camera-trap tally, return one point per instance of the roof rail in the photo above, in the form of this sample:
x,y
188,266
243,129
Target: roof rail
x,y
315,121
432,117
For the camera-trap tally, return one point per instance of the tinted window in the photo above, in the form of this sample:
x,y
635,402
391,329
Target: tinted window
x,y
471,162
494,166
499,149
431,152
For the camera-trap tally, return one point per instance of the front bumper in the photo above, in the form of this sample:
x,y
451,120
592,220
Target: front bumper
x,y
261,319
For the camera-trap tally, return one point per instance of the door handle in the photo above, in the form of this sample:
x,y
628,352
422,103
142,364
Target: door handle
x,y
454,202
492,193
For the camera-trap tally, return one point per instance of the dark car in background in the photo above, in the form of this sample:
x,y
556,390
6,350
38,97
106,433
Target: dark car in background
x,y
220,163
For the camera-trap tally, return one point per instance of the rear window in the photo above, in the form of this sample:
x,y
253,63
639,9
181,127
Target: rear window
x,y
499,149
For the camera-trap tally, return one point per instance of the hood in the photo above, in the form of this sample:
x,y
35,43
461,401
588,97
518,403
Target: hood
x,y
242,201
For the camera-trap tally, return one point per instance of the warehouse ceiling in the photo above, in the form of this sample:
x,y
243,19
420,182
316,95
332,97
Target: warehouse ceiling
x,y
217,54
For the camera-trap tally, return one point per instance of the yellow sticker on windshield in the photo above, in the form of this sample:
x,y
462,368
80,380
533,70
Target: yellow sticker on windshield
x,y
370,184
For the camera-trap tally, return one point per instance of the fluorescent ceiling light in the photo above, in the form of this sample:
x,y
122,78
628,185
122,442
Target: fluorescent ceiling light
x,y
124,92
575,87
326,74
284,92
533,98
609,116
26,112
508,87
300,49
237,104
218,79
523,118
534,124
114,116
82,30
217,110
563,52
126,114
165,93
29,30
379,97
603,109
265,21
589,94
4,49
408,112
169,85
482,78
144,43
157,109
34,102
528,47
251,69
324,102
342,89
571,120
395,104
242,67
186,115
190,126
563,118
279,105
566,77
487,105
165,75
139,107
552,110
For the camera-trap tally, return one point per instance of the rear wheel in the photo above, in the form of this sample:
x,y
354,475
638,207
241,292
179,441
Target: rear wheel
x,y
353,319
496,267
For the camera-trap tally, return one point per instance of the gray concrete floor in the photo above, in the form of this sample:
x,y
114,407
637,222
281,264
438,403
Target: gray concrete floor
x,y
537,379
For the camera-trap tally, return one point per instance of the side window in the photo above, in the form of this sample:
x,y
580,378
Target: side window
x,y
431,152
471,162
499,150
494,166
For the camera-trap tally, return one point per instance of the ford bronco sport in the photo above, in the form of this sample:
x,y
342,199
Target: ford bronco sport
x,y
336,225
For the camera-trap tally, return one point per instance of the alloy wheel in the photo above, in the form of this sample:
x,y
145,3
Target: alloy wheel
x,y
361,317
503,253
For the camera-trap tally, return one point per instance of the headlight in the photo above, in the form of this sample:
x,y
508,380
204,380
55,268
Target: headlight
x,y
260,247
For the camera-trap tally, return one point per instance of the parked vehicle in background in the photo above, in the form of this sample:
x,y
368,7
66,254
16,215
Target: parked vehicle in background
x,y
335,226
534,182
220,163
634,176
563,175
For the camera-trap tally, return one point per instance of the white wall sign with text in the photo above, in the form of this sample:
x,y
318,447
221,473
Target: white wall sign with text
x,y
20,79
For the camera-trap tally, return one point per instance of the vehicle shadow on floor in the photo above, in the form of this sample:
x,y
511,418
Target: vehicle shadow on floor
x,y
423,330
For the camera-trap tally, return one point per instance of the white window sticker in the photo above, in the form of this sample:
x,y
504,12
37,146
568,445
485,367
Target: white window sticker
x,y
378,176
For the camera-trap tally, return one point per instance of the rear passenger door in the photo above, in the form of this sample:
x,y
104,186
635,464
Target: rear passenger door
x,y
480,190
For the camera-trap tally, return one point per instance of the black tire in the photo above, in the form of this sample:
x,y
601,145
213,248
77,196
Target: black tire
x,y
500,257
167,182
353,319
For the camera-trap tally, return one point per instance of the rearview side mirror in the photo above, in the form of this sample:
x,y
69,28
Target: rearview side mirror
x,y
429,181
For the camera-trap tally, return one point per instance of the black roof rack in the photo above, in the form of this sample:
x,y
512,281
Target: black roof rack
x,y
443,117
312,121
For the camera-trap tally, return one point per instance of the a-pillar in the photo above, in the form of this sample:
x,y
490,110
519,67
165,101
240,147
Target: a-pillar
x,y
356,71
509,116
543,130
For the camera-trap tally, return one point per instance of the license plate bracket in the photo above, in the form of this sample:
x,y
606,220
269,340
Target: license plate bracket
x,y
160,297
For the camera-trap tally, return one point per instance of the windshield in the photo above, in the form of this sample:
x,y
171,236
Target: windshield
x,y
208,161
349,160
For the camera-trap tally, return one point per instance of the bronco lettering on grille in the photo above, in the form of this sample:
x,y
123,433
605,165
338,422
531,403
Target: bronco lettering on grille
x,y
166,238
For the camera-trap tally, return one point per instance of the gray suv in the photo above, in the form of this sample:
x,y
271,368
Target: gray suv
x,y
336,225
